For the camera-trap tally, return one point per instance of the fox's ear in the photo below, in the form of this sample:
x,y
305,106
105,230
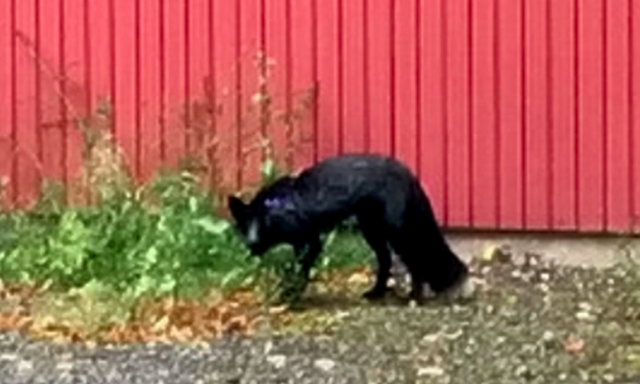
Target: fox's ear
x,y
237,207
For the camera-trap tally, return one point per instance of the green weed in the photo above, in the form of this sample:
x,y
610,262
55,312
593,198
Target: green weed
x,y
162,239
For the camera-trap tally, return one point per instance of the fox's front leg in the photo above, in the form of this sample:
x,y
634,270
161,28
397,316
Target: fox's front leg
x,y
307,253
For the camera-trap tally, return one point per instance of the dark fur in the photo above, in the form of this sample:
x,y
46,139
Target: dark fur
x,y
393,212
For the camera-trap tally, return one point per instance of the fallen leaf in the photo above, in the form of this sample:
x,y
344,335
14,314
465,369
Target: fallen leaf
x,y
358,278
574,344
161,325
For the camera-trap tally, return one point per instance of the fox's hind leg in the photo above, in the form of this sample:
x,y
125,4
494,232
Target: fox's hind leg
x,y
375,237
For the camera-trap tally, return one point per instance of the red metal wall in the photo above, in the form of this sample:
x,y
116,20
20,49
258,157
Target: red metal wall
x,y
519,114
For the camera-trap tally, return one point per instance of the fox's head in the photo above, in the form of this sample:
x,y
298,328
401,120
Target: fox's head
x,y
268,219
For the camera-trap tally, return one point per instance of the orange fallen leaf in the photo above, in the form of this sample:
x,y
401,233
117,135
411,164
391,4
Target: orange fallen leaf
x,y
165,320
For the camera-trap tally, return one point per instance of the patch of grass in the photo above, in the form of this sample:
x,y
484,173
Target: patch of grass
x,y
162,240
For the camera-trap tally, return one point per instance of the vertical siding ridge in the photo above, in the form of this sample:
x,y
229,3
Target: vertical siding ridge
x,y
418,75
367,78
576,113
631,139
14,90
523,110
38,79
163,81
605,119
445,106
340,75
112,65
470,133
137,96
549,111
64,106
291,146
314,70
497,110
392,77
265,57
212,99
238,91
187,75
87,58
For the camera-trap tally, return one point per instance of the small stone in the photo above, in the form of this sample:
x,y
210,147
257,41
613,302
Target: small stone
x,y
633,357
454,335
25,365
585,306
456,308
64,366
489,253
584,316
521,370
532,259
504,254
584,375
278,361
8,357
548,336
431,338
324,364
562,376
432,371
544,277
609,378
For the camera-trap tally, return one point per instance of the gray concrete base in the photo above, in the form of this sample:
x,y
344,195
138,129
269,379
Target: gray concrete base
x,y
586,250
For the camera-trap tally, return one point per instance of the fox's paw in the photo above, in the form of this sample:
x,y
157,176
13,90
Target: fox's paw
x,y
463,290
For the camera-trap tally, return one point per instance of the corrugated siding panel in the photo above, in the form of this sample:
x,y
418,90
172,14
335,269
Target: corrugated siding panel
x,y
518,114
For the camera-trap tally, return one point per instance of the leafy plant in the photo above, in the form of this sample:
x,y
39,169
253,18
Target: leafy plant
x,y
162,239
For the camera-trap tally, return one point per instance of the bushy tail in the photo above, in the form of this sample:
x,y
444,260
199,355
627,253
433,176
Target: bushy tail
x,y
447,270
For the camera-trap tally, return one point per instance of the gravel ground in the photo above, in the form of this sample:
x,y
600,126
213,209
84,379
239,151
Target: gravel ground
x,y
530,323
293,359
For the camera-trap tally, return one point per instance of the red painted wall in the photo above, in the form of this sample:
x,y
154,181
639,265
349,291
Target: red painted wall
x,y
516,114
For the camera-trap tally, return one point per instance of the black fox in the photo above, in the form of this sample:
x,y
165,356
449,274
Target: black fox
x,y
393,213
